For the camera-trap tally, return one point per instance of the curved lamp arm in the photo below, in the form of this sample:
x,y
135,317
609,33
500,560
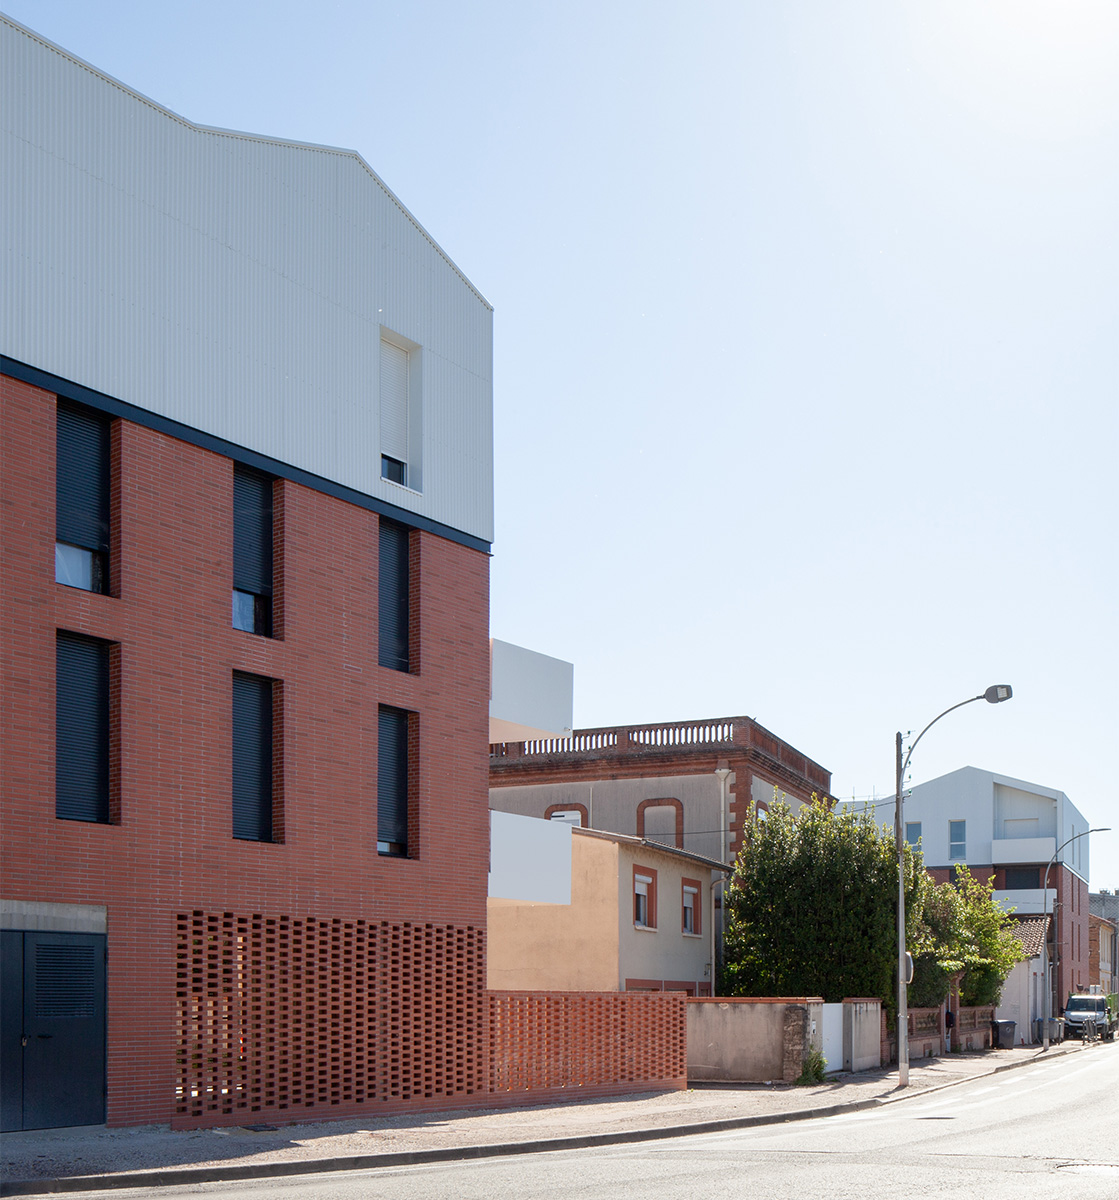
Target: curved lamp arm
x,y
995,694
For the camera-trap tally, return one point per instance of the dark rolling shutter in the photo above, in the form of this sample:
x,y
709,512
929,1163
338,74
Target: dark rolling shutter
x,y
252,532
81,729
82,482
252,757
392,777
392,597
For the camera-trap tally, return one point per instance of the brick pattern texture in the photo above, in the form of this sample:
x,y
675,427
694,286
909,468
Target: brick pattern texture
x,y
543,1043
170,852
290,1018
307,977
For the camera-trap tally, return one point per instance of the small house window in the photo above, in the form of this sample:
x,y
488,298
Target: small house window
x,y
957,840
689,921
644,898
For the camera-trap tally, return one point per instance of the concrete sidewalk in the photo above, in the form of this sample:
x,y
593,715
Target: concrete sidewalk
x,y
93,1157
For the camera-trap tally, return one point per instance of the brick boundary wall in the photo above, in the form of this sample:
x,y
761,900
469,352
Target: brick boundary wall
x,y
548,1044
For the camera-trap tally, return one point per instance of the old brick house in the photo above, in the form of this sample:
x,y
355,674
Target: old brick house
x,y
247,509
690,784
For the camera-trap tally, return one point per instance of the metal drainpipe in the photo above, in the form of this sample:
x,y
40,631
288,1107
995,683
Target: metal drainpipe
x,y
722,774
714,884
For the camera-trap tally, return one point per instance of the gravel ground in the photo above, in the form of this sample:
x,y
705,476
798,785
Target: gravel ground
x,y
96,1150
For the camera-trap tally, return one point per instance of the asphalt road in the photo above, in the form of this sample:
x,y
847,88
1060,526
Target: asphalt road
x,y
1048,1130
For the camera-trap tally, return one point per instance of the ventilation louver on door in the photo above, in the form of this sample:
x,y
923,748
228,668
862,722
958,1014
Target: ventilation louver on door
x,y
65,983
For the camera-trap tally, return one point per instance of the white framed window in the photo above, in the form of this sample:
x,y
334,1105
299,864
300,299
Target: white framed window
x,y
913,833
689,917
644,898
400,411
957,840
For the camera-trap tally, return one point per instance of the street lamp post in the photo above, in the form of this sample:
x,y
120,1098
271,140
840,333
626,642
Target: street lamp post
x,y
995,694
1045,911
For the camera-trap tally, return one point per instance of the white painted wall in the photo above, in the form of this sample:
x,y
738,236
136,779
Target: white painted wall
x,y
832,1032
234,283
996,809
529,859
531,694
1022,999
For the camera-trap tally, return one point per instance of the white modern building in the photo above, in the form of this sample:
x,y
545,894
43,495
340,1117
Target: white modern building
x,y
1011,829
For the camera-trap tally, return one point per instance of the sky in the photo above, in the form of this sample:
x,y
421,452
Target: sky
x,y
806,339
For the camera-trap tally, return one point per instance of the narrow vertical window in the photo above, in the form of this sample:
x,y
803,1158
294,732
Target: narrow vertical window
x,y
689,920
252,757
393,599
395,403
394,781
957,839
644,898
81,729
252,551
81,552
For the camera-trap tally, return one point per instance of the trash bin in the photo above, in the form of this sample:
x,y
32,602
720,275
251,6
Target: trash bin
x,y
1002,1035
1055,1028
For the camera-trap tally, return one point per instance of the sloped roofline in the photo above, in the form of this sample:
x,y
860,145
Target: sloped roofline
x,y
626,839
246,137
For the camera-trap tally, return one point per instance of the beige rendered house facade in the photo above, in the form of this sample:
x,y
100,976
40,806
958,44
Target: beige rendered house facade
x,y
640,919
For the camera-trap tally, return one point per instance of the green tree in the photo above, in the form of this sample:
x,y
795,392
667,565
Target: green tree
x,y
811,908
964,933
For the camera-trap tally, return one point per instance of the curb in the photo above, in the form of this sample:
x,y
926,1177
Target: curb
x,y
406,1158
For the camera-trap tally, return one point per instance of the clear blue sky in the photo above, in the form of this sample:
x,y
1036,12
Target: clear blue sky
x,y
807,337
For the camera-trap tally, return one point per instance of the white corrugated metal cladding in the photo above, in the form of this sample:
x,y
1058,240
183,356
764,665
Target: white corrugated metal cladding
x,y
236,284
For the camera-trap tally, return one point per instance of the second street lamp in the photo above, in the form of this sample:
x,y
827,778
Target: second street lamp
x,y
1048,1008
995,694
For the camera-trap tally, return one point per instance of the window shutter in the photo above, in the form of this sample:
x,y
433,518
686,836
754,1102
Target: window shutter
x,y
392,597
392,776
252,757
394,401
252,532
81,729
82,481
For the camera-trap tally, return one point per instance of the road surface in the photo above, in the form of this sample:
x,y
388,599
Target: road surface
x,y
1050,1130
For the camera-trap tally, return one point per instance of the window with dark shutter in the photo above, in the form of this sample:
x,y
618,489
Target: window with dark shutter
x,y
1023,878
393,599
81,729
252,757
392,781
81,557
252,551
395,364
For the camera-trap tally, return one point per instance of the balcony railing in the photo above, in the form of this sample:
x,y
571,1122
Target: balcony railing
x,y
741,732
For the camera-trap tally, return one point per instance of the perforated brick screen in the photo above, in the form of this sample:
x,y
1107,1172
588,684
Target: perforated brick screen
x,y
617,1041
277,1014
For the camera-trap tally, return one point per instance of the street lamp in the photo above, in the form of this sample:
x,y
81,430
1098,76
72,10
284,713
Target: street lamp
x,y
1045,911
995,694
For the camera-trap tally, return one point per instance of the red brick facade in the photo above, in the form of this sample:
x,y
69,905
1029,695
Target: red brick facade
x,y
186,903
